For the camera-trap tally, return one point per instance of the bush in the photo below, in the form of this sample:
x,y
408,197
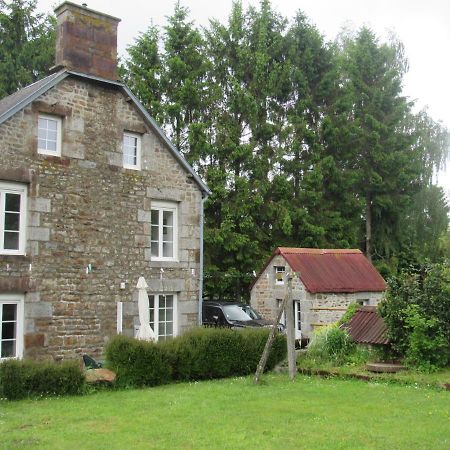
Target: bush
x,y
138,363
201,353
416,302
351,311
331,344
21,379
427,347
206,353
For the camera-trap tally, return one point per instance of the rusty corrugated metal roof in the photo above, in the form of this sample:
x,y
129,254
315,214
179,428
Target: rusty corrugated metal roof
x,y
367,327
333,270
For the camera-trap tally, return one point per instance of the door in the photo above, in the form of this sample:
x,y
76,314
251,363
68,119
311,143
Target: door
x,y
297,320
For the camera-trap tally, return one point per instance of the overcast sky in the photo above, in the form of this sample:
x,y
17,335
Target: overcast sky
x,y
422,25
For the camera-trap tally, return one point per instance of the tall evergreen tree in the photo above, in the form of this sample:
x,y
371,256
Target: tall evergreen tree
x,y
302,143
183,81
142,71
27,45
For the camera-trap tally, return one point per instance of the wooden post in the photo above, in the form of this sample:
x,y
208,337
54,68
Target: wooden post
x,y
262,362
290,330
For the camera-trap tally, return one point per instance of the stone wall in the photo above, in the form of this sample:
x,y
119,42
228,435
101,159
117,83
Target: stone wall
x,y
85,208
316,310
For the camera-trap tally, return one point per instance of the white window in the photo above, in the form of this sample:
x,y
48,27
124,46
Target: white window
x,y
11,326
13,206
279,274
283,315
132,151
49,135
164,232
163,315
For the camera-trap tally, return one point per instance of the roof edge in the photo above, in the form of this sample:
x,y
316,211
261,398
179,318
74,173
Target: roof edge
x,y
59,76
65,73
317,251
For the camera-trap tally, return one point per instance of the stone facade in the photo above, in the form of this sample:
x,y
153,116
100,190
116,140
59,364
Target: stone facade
x,y
314,310
88,221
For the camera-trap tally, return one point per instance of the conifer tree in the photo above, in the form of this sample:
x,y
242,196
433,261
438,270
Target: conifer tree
x,y
27,45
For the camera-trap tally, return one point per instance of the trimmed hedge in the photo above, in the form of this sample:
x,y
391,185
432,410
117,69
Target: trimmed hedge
x,y
21,379
138,363
201,353
206,353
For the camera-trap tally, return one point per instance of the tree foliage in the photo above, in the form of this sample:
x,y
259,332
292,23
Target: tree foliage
x,y
27,45
416,310
303,142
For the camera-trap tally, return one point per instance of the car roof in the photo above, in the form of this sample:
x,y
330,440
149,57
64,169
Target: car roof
x,y
221,303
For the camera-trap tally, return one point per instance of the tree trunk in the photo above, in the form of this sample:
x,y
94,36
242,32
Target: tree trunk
x,y
369,227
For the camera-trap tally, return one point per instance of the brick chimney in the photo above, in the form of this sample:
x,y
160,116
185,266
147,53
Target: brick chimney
x,y
86,41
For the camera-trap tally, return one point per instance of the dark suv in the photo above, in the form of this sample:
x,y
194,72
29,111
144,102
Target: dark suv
x,y
232,315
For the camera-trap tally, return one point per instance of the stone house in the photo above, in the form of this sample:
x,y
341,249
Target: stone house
x,y
93,195
324,284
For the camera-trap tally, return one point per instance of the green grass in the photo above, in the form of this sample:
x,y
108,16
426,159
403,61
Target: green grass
x,y
435,379
309,413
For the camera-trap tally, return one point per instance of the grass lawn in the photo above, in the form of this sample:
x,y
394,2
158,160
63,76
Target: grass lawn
x,y
434,379
310,413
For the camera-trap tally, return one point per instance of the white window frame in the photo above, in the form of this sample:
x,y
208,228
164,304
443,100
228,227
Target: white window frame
x,y
15,299
13,188
58,120
161,206
277,270
155,327
136,136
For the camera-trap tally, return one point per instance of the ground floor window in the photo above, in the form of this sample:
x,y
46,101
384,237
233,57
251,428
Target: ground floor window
x,y
11,326
163,315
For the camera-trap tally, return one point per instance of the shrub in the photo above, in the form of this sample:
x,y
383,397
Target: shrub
x,y
427,347
138,363
351,311
415,303
331,344
206,353
201,353
21,379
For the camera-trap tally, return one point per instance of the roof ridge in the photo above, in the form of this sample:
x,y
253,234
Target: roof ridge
x,y
321,251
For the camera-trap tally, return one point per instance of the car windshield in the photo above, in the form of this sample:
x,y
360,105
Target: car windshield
x,y
235,312
251,312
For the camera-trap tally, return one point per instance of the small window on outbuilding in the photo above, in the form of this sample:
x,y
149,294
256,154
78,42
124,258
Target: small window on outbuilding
x,y
279,274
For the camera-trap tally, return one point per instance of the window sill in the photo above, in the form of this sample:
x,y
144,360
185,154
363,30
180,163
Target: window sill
x,y
164,263
15,258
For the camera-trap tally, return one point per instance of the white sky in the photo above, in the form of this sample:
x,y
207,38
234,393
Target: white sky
x,y
422,25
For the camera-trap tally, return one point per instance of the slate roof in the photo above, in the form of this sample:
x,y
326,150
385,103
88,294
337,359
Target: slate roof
x,y
367,327
332,270
15,102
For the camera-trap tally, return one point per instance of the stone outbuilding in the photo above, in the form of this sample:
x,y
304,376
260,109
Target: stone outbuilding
x,y
324,284
93,195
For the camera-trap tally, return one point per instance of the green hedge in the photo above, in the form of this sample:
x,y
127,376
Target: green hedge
x,y
202,353
138,363
21,379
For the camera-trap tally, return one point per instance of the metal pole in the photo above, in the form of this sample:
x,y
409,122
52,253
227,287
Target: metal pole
x,y
201,275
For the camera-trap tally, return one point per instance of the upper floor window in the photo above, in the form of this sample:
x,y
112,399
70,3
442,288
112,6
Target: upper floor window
x,y
132,151
279,274
13,197
11,326
164,231
49,135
